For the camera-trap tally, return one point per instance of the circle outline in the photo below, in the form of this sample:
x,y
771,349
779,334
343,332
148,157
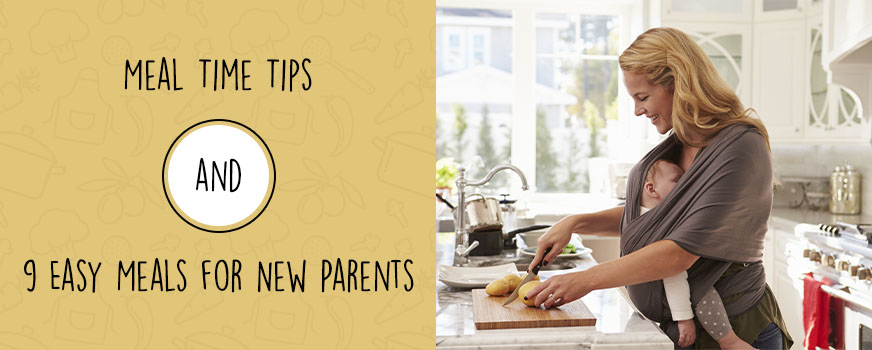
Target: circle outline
x,y
164,176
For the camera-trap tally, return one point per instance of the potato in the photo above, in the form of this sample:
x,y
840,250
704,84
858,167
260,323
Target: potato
x,y
526,288
513,280
497,287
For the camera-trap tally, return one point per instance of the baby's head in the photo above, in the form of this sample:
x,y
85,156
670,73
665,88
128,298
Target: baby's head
x,y
659,181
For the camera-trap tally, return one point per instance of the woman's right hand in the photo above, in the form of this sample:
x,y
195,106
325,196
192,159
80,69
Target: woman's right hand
x,y
556,238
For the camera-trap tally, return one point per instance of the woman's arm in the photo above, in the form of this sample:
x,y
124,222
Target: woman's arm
x,y
603,223
655,261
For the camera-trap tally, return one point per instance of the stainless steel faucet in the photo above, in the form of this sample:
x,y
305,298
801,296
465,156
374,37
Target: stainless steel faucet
x,y
462,247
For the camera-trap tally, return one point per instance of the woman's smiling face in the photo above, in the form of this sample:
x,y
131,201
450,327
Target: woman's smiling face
x,y
652,100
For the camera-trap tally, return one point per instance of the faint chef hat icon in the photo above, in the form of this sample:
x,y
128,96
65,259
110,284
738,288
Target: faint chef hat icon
x,y
56,32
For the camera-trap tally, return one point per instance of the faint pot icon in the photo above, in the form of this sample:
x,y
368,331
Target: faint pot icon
x,y
397,150
80,321
33,163
83,115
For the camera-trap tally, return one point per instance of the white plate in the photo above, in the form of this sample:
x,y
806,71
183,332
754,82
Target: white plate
x,y
474,277
531,251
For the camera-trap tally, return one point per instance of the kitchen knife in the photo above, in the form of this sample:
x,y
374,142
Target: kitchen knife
x,y
529,277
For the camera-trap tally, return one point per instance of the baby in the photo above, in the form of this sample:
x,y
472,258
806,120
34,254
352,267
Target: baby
x,y
661,178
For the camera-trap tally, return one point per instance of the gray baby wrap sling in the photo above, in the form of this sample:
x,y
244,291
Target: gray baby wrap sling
x,y
718,211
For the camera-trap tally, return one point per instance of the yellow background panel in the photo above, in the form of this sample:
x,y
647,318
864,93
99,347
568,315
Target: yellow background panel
x,y
82,157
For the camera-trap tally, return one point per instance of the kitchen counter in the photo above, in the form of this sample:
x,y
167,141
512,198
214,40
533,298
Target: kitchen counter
x,y
787,218
617,327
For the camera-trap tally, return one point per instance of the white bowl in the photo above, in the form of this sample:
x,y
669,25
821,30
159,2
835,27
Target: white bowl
x,y
530,237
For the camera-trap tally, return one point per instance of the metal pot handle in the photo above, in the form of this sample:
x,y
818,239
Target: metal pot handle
x,y
473,195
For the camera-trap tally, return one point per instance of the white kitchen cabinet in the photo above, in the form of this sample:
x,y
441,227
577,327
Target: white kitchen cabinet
x,y
779,10
706,10
786,286
833,111
779,82
729,46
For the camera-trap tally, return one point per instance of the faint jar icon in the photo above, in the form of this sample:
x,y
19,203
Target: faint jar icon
x,y
82,115
57,32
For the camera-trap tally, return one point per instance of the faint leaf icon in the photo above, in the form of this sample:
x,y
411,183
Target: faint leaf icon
x,y
83,114
122,194
12,92
57,32
257,32
322,193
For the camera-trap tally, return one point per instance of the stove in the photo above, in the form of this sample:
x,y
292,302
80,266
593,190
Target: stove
x,y
840,255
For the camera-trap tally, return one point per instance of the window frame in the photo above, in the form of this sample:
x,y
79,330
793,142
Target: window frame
x,y
524,68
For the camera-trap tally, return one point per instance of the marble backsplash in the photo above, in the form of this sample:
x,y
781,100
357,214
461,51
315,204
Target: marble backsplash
x,y
819,160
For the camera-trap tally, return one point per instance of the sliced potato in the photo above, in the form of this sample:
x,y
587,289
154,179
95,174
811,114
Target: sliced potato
x,y
497,287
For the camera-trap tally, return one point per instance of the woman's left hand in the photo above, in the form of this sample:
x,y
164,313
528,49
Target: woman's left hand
x,y
560,289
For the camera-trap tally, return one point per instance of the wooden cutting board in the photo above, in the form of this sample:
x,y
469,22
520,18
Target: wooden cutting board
x,y
489,313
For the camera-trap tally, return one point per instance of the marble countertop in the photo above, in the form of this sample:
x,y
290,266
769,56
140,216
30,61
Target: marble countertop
x,y
787,218
618,326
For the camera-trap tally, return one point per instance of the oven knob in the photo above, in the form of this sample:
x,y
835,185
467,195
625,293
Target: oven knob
x,y
829,260
854,269
864,275
815,256
842,265
806,253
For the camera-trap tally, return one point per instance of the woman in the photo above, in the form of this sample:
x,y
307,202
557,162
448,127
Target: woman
x,y
713,222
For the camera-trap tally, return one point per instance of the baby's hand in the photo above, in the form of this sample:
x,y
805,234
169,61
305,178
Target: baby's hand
x,y
686,333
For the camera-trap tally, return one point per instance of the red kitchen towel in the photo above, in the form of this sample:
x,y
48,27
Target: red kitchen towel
x,y
815,314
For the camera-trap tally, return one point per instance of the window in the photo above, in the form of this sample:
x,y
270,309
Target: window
x,y
532,84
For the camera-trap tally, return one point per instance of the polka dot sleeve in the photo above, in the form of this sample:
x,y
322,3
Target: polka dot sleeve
x,y
712,316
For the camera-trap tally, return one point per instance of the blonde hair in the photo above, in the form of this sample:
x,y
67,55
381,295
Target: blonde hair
x,y
702,102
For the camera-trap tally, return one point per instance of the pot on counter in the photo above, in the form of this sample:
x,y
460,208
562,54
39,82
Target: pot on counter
x,y
483,213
